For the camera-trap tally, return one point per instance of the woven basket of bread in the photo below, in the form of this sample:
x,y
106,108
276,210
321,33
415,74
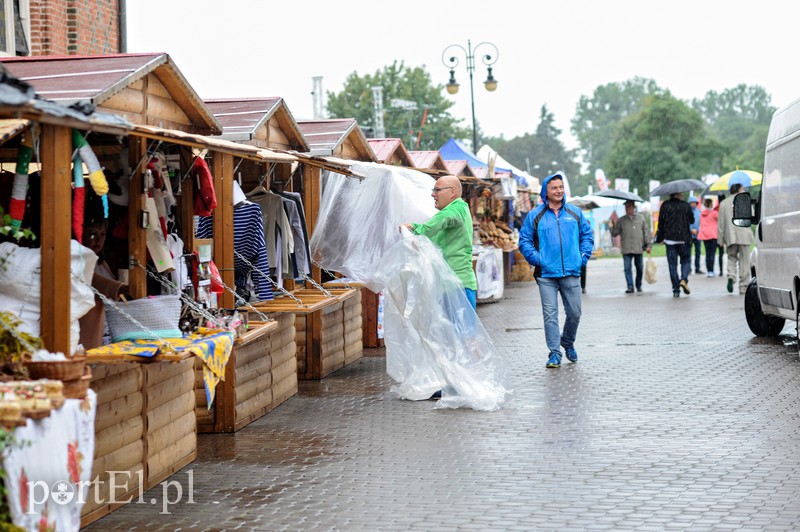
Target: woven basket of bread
x,y
61,370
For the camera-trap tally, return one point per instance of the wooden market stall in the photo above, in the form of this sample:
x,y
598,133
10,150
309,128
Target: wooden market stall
x,y
145,426
318,319
343,138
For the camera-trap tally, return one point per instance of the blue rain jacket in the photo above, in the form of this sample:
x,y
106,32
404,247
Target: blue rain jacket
x,y
565,242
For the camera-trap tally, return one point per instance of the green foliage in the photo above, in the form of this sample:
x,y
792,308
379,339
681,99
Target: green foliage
x,y
597,117
14,345
666,140
401,82
739,118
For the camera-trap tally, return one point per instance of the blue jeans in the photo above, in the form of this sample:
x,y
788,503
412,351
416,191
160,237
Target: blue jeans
x,y
636,258
472,297
673,252
696,245
570,288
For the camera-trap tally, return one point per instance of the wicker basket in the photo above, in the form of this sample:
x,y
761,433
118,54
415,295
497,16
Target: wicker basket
x,y
159,315
76,389
60,370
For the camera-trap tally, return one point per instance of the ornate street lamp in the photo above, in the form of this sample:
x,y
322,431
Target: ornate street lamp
x,y
488,59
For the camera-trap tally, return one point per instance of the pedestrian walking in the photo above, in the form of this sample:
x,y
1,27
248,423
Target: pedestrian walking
x,y
695,229
673,230
635,239
708,233
557,240
737,240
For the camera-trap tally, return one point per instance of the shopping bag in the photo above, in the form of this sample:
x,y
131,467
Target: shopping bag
x,y
650,270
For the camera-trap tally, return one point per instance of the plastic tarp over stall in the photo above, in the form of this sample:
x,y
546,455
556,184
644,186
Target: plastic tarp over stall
x,y
359,219
434,339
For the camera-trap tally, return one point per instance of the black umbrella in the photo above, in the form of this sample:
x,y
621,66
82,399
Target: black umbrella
x,y
618,194
680,185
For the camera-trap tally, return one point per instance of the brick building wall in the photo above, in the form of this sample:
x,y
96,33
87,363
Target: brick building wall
x,y
74,27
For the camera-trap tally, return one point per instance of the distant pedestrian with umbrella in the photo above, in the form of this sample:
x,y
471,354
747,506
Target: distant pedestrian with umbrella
x,y
635,240
708,233
695,229
737,240
674,219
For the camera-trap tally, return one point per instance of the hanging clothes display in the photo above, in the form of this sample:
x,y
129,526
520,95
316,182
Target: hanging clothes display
x,y
248,241
277,231
297,219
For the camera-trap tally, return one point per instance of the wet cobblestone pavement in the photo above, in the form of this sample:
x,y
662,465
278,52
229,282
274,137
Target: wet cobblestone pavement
x,y
675,418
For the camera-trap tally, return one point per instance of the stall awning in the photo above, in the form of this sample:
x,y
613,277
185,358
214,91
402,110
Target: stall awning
x,y
174,136
213,143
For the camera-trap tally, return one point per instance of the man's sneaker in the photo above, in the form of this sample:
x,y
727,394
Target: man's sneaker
x,y
554,361
730,285
712,274
685,286
676,294
572,355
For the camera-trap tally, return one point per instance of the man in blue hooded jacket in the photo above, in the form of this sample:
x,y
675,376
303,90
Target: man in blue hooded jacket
x,y
557,240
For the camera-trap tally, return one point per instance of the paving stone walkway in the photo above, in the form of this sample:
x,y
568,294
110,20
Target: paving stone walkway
x,y
675,418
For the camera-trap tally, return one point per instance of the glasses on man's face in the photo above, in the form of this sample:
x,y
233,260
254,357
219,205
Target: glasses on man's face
x,y
436,190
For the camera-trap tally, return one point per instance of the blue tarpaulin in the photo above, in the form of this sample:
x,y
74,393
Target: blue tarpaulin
x,y
454,150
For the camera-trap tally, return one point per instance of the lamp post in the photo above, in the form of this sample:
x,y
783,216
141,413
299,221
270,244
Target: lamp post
x,y
451,61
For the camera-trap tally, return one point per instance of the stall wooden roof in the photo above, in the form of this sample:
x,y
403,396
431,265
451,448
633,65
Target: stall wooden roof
x,y
429,162
391,151
146,89
460,168
262,122
337,136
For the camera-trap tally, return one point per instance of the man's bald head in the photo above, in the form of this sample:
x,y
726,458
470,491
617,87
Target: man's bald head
x,y
446,190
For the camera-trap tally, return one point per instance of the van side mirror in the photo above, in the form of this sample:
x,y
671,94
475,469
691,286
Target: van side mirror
x,y
743,210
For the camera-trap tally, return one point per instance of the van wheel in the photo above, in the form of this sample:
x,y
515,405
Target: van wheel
x,y
760,324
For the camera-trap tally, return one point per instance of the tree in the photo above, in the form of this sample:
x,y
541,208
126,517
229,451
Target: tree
x,y
596,117
666,140
399,82
740,118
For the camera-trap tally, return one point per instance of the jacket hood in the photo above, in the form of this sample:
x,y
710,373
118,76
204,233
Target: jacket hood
x,y
543,192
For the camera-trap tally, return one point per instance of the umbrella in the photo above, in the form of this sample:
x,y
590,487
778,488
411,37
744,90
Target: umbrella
x,y
748,178
680,185
583,203
618,194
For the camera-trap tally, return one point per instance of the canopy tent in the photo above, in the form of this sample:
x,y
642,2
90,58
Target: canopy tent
x,y
454,150
523,178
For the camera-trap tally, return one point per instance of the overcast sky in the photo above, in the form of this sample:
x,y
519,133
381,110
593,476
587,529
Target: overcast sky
x,y
549,52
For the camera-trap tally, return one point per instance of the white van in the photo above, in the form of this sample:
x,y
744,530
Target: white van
x,y
772,296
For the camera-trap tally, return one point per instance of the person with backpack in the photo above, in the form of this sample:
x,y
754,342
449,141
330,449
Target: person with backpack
x,y
557,240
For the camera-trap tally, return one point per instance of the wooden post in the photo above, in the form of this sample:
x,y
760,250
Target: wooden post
x,y
311,193
56,176
137,236
223,223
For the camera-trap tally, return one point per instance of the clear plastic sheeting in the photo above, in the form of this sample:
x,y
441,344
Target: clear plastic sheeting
x,y
359,219
434,339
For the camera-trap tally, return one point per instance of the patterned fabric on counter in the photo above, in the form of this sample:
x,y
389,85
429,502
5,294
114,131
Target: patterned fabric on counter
x,y
47,476
213,347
